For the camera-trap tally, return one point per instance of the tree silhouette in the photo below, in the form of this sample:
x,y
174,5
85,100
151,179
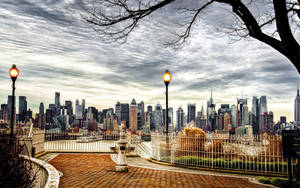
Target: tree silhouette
x,y
116,19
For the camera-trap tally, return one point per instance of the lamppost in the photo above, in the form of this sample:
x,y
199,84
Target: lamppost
x,y
167,78
13,73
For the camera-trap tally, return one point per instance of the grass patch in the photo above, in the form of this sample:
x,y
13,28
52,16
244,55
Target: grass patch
x,y
279,182
226,164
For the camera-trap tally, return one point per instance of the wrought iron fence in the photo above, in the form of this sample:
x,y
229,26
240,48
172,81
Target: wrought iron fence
x,y
262,154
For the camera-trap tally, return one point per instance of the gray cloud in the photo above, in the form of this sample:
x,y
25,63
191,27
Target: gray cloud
x,y
58,51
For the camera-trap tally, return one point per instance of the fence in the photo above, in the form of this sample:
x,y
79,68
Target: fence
x,y
73,142
256,154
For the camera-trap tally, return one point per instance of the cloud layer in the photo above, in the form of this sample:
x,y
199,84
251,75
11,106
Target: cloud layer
x,y
56,50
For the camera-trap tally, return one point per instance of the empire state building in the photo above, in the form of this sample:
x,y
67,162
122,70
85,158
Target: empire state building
x,y
297,107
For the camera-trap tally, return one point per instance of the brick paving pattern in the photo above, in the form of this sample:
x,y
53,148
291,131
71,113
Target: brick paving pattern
x,y
96,170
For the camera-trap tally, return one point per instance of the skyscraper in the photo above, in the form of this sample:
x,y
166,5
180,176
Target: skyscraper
x,y
149,114
125,113
233,115
179,119
69,107
57,104
133,112
170,111
141,114
297,107
149,108
255,115
22,108
57,99
118,112
157,118
191,116
42,117
266,122
263,105
78,110
240,111
211,114
4,112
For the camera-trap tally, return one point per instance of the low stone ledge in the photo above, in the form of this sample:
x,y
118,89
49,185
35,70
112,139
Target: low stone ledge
x,y
53,175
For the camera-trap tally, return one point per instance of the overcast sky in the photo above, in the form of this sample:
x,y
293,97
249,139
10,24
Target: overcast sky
x,y
55,50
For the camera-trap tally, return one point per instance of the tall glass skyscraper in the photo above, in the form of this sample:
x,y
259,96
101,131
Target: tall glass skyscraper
x,y
179,119
22,108
255,115
263,105
57,99
157,117
191,116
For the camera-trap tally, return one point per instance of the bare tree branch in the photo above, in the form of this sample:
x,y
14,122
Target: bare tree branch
x,y
118,18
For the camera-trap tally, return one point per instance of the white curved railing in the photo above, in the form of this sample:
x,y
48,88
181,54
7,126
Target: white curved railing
x,y
48,176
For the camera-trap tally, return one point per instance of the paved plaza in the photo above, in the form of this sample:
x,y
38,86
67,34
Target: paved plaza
x,y
97,170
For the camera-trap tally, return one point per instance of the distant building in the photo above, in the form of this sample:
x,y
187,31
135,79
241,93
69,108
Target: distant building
x,y
211,114
227,121
282,119
141,114
69,107
148,114
125,113
133,115
22,108
57,99
234,115
179,119
263,105
42,117
78,110
255,115
242,112
170,111
297,107
4,112
57,104
157,118
118,112
266,123
191,116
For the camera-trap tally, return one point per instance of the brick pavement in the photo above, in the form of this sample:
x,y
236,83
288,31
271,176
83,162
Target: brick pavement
x,y
97,170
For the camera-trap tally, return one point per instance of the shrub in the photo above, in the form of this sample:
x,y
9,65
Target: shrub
x,y
192,140
216,147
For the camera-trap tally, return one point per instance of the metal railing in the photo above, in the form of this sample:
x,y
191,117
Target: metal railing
x,y
262,154
75,142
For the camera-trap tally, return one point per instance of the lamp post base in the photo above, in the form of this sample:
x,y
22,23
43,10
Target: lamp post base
x,y
121,168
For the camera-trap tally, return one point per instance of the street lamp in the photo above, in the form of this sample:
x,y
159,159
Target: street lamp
x,y
167,78
13,73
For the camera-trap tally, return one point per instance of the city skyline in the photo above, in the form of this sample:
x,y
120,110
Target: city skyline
x,y
61,101
56,51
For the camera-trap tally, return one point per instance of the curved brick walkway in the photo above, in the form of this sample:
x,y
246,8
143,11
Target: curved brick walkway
x,y
96,170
